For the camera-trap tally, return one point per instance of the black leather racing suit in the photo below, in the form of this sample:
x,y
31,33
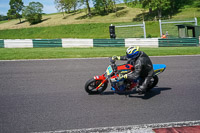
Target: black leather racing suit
x,y
143,69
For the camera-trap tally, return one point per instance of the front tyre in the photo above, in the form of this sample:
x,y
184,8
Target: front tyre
x,y
153,82
92,84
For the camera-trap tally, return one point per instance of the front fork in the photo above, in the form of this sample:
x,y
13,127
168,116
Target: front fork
x,y
101,84
101,78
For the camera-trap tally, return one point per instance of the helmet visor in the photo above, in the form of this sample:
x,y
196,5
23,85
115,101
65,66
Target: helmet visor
x,y
132,55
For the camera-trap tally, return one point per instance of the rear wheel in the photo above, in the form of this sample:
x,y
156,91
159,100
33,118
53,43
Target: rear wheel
x,y
153,82
92,84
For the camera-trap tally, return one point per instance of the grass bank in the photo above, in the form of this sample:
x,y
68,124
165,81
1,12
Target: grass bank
x,y
91,31
52,53
78,25
99,30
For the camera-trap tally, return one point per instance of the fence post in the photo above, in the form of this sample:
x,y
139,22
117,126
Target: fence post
x,y
160,23
195,19
144,27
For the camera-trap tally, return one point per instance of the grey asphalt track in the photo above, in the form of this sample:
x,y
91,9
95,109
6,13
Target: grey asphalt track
x,y
49,95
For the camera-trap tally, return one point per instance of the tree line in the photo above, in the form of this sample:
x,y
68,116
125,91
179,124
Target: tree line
x,y
100,6
162,7
33,12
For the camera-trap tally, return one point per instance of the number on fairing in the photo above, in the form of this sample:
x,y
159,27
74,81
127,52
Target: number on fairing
x,y
109,70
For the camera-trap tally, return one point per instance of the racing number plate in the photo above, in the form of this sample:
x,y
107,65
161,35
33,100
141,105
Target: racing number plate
x,y
109,70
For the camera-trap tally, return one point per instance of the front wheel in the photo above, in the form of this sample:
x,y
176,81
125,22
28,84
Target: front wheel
x,y
92,84
153,82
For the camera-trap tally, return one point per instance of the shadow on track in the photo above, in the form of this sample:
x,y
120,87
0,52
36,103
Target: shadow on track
x,y
134,94
152,93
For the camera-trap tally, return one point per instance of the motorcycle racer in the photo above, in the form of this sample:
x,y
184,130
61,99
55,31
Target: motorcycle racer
x,y
142,64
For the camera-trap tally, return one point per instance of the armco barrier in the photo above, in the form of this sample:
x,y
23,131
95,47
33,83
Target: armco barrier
x,y
38,43
149,42
1,43
178,42
108,43
67,43
18,43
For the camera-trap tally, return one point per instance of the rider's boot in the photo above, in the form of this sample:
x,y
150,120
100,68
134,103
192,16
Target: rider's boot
x,y
142,89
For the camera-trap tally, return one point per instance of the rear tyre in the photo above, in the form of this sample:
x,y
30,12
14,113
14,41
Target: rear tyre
x,y
92,84
153,82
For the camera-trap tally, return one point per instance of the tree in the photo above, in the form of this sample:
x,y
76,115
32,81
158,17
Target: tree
x,y
75,4
59,6
33,12
132,3
158,5
16,7
164,8
104,6
88,7
2,17
66,5
175,5
100,6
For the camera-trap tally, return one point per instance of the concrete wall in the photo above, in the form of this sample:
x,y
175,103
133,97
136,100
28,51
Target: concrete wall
x,y
18,43
149,42
67,43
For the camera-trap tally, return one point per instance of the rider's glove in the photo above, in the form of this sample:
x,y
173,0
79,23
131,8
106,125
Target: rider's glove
x,y
121,76
116,58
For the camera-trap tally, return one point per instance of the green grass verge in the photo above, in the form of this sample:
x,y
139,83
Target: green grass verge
x,y
51,53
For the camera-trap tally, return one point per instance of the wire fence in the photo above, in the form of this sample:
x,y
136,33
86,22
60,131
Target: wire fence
x,y
131,30
169,27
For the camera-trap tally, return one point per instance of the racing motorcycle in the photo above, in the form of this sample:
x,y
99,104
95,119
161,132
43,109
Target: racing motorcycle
x,y
98,84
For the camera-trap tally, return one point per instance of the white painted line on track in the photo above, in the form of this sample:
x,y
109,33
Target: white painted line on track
x,y
89,58
144,128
